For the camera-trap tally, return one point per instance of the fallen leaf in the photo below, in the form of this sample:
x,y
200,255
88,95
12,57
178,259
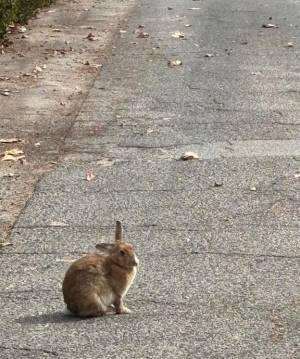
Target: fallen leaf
x,y
269,26
149,131
11,158
13,155
142,35
57,224
178,35
37,69
5,244
21,29
88,27
14,152
5,92
9,175
10,140
106,162
174,63
189,156
91,37
89,176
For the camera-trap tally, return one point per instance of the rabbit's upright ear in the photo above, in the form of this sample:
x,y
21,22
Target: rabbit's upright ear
x,y
104,248
119,232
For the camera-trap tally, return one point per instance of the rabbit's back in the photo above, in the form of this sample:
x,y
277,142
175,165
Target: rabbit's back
x,y
85,282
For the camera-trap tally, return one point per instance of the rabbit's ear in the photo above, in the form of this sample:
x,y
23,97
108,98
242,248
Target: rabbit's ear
x,y
119,232
104,248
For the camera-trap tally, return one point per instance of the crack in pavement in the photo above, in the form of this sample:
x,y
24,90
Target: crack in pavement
x,y
45,351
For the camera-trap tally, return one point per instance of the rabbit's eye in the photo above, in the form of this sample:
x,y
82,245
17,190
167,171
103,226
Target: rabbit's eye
x,y
122,253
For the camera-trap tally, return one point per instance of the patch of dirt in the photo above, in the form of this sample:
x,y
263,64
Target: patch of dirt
x,y
46,72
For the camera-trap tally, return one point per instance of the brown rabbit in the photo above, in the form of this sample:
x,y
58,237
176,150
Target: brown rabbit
x,y
95,282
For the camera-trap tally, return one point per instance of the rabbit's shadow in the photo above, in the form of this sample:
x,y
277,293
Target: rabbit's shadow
x,y
49,318
57,318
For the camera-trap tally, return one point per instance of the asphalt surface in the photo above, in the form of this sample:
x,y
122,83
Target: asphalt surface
x,y
219,264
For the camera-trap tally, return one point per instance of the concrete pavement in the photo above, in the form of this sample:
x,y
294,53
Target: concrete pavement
x,y
219,271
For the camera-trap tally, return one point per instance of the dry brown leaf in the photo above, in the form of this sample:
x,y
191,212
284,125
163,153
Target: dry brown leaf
x,y
10,140
269,26
14,155
5,244
5,92
142,35
189,155
87,27
89,176
21,29
178,35
9,175
91,37
14,152
37,69
106,162
174,63
12,158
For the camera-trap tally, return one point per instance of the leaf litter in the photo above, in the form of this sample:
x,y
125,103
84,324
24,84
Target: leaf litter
x,y
13,155
174,63
89,176
189,155
178,35
10,140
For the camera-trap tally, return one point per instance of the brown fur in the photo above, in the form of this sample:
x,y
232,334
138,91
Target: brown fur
x,y
94,282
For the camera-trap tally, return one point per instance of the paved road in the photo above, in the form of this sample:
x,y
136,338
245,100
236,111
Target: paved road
x,y
219,273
